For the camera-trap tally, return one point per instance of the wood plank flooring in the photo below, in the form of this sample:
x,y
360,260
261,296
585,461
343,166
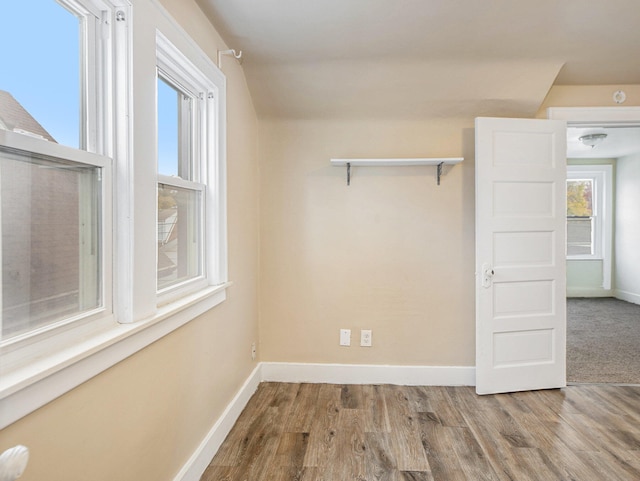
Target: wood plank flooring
x,y
327,432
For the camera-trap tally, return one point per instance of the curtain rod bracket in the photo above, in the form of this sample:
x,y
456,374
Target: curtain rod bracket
x,y
237,54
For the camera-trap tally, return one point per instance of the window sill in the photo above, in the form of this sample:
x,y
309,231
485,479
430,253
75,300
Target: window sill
x,y
30,387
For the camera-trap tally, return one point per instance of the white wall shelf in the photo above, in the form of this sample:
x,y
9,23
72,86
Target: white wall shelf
x,y
438,162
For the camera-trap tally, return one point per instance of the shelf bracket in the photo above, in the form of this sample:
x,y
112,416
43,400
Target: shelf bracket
x,y
348,173
440,171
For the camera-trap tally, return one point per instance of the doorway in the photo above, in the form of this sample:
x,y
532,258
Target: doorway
x,y
510,355
603,275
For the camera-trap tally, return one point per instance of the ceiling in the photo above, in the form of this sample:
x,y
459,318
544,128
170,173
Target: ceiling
x,y
424,58
620,141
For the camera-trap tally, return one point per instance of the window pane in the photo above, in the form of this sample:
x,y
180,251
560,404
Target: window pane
x,y
51,253
174,131
40,80
179,235
580,198
580,222
579,236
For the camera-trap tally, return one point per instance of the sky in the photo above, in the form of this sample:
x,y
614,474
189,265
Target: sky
x,y
39,66
167,129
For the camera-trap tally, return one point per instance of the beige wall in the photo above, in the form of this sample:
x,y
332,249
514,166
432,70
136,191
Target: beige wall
x,y
588,96
143,418
393,252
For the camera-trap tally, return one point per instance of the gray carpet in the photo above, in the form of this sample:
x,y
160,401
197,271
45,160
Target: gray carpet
x,y
603,341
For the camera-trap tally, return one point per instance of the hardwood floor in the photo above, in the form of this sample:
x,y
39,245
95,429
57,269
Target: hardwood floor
x,y
326,432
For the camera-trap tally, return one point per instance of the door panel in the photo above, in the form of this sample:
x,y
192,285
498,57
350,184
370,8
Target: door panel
x,y
523,249
520,254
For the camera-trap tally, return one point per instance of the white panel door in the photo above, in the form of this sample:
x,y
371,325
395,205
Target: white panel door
x,y
520,254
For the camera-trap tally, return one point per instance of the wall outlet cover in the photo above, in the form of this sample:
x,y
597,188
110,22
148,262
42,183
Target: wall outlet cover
x,y
345,337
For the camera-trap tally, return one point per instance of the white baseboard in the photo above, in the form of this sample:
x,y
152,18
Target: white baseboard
x,y
317,373
627,296
200,459
369,374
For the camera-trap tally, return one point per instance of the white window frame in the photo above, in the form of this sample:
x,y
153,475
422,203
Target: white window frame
x,y
34,356
600,176
207,169
97,126
75,355
19,349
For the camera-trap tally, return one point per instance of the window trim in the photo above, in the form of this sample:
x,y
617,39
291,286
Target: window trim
x,y
96,124
208,170
24,390
95,52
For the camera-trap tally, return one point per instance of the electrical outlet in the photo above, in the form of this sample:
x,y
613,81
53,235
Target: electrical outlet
x,y
345,337
365,337
253,351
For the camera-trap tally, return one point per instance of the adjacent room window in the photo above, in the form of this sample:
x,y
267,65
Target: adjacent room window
x,y
581,217
54,165
188,146
588,211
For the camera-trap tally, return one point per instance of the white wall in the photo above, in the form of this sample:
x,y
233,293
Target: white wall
x,y
627,246
584,279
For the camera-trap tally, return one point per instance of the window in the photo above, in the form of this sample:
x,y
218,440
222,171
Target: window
x,y
189,189
76,232
180,252
55,166
52,251
180,196
580,217
588,211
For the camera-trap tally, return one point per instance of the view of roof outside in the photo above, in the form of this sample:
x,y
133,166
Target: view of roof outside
x,y
40,67
13,116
